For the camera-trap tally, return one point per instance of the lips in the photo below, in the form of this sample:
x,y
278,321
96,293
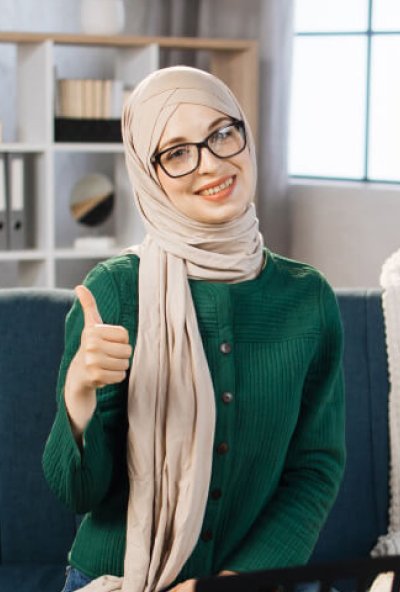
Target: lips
x,y
217,188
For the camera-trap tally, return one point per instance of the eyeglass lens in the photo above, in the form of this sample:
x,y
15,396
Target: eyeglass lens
x,y
223,143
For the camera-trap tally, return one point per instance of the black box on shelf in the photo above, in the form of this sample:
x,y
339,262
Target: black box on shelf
x,y
68,129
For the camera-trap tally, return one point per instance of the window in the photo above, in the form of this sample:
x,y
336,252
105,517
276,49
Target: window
x,y
345,94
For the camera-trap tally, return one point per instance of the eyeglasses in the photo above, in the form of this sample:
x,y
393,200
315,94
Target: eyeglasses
x,y
183,159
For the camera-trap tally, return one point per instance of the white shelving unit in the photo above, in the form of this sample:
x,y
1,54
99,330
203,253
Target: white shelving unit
x,y
50,258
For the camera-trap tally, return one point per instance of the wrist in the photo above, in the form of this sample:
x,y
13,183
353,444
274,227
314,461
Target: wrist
x,y
75,389
80,401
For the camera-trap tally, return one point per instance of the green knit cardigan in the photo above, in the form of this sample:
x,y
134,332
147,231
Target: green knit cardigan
x,y
274,349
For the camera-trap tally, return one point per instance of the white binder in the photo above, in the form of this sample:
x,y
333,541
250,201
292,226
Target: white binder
x,y
16,202
3,204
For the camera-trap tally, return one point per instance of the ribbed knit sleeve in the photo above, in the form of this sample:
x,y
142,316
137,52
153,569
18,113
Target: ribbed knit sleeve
x,y
81,478
286,531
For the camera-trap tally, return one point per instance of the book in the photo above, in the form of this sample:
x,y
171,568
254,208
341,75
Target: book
x,y
16,202
90,98
98,99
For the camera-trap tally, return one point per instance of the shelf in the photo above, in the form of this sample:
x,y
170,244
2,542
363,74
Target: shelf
x,y
52,168
87,147
72,253
28,255
235,61
130,41
22,147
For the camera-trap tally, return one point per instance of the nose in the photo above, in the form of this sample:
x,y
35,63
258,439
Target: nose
x,y
208,162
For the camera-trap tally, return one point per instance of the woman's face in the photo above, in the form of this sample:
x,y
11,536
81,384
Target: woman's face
x,y
219,189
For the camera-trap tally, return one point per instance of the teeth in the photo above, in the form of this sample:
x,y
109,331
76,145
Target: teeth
x,y
217,188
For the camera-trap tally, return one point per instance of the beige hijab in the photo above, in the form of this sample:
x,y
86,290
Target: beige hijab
x,y
171,406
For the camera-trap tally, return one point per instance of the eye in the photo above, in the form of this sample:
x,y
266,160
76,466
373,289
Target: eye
x,y
178,153
222,134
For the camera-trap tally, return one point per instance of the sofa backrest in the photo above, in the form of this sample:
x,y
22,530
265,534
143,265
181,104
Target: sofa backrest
x,y
360,513
35,527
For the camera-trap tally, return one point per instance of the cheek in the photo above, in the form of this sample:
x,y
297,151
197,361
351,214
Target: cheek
x,y
249,174
175,189
169,186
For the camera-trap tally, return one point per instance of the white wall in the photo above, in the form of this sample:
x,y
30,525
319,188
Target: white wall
x,y
40,15
345,230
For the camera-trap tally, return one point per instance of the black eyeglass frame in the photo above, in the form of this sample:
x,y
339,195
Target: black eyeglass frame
x,y
238,123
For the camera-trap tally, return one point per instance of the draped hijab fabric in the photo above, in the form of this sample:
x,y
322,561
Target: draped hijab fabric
x,y
171,405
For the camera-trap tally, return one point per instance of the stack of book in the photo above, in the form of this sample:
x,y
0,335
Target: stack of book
x,y
90,98
89,110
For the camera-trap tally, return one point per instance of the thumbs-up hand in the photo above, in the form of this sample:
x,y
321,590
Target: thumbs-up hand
x,y
105,349
102,358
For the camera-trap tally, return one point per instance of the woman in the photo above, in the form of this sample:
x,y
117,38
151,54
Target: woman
x,y
218,447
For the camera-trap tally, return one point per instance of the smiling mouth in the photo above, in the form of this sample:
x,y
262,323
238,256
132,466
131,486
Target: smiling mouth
x,y
211,191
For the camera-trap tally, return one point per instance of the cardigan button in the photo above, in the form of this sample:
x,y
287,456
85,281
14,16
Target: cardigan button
x,y
227,397
216,494
207,535
225,348
222,448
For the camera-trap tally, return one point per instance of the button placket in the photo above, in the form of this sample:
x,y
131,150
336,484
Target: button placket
x,y
226,382
224,377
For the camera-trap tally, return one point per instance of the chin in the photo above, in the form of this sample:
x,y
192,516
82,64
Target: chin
x,y
221,217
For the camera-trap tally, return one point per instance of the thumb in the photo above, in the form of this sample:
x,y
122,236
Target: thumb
x,y
90,311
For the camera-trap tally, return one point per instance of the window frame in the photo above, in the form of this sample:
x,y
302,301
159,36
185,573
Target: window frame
x,y
369,34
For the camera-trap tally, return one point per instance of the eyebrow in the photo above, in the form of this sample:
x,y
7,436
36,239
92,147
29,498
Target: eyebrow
x,y
182,140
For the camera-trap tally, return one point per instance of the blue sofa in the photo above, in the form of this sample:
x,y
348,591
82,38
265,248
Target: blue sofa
x,y
36,530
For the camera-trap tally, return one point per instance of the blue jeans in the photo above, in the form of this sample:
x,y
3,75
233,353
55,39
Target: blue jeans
x,y
75,580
